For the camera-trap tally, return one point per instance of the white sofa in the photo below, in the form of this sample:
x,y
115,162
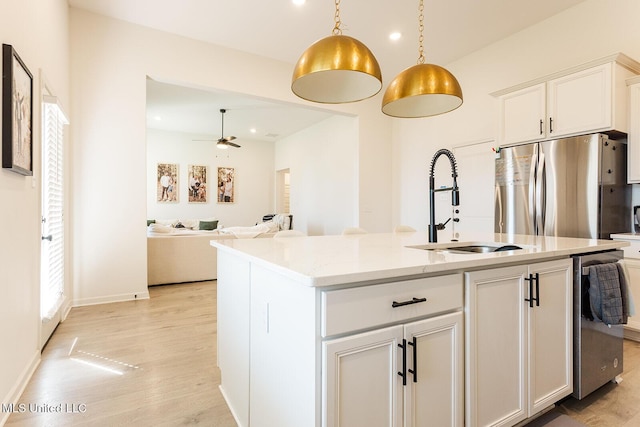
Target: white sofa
x,y
183,255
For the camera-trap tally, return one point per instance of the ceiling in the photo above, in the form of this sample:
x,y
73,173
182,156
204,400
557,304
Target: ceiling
x,y
280,30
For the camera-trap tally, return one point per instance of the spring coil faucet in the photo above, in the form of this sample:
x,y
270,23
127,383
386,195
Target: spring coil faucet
x,y
455,192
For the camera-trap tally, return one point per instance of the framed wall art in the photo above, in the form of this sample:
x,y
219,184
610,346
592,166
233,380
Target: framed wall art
x,y
197,183
226,185
167,183
17,113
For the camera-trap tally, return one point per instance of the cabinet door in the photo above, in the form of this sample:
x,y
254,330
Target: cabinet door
x,y
434,393
361,385
522,115
633,157
496,347
580,102
633,269
550,335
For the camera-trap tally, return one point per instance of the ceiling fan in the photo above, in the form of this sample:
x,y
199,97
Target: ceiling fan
x,y
224,142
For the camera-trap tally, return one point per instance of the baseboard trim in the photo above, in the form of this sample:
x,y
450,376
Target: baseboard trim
x,y
14,394
111,298
632,334
224,396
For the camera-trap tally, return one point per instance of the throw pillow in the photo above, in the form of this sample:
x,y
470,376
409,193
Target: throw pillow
x,y
159,228
208,225
150,221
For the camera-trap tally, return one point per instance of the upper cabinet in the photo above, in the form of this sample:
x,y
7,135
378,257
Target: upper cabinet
x,y
633,142
589,98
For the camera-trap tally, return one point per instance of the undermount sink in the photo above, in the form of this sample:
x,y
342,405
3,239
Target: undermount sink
x,y
468,248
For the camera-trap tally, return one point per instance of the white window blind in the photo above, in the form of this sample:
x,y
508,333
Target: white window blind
x,y
53,122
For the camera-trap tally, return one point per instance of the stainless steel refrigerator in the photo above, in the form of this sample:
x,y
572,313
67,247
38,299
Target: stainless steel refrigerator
x,y
572,187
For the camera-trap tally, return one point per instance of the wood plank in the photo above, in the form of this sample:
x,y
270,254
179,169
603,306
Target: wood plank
x,y
147,362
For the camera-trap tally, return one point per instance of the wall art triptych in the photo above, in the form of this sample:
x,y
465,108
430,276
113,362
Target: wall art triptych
x,y
168,184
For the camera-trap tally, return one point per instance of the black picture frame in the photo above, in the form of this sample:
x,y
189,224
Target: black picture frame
x,y
17,113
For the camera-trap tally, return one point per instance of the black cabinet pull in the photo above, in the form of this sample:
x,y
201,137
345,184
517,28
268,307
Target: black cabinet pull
x,y
540,126
413,343
550,125
403,374
414,300
531,298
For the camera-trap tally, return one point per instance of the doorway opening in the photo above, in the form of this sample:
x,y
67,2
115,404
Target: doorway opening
x,y
283,193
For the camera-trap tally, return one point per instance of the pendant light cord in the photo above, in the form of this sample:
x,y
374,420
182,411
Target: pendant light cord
x,y
421,30
337,31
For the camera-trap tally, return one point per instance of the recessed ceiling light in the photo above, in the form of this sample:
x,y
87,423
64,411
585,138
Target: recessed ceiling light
x,y
395,36
298,2
253,130
157,118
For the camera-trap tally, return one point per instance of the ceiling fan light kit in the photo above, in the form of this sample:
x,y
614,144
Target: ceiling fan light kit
x,y
340,69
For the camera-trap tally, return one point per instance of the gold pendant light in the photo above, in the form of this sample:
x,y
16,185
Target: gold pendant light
x,y
336,69
422,90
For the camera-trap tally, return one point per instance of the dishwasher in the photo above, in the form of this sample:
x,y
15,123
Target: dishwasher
x,y
597,347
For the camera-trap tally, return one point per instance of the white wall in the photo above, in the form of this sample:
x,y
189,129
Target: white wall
x,y
323,161
590,30
109,65
39,33
254,183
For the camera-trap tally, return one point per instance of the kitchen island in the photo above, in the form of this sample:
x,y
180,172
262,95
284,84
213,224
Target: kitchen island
x,y
389,330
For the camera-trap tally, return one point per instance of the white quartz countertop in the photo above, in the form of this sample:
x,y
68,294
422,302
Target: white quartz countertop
x,y
626,236
333,260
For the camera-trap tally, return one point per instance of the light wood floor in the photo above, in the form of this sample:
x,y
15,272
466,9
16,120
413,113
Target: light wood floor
x,y
612,405
164,349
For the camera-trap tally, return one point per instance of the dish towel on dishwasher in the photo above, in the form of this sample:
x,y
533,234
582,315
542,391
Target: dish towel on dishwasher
x,y
608,293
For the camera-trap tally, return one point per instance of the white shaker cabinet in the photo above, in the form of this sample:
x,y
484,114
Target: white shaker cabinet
x,y
410,374
407,375
332,357
632,261
633,141
518,341
586,99
522,115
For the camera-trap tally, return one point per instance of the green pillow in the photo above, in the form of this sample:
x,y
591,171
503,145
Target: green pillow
x,y
150,221
208,225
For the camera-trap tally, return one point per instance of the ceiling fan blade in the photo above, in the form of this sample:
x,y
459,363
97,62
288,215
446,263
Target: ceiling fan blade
x,y
233,144
231,138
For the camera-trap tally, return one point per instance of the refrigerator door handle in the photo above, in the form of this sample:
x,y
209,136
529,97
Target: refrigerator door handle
x,y
540,195
532,192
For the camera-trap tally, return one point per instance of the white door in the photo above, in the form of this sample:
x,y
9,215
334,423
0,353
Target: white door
x,y
633,146
476,168
496,347
551,335
522,115
580,102
633,269
361,385
434,391
52,260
